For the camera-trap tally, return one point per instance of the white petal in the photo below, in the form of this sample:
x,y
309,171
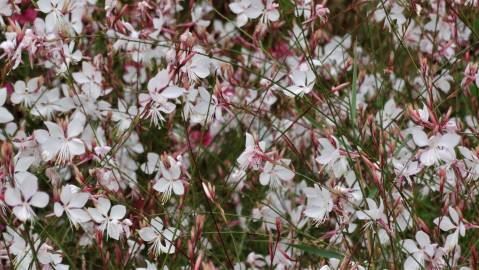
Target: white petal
x,y
114,230
44,6
454,215
150,165
444,223
253,12
161,185
79,215
264,178
449,140
22,212
52,146
41,135
96,215
75,127
79,200
103,206
147,234
419,137
40,199
362,215
428,158
273,15
159,81
118,212
178,187
172,92
66,195
24,163
411,264
80,77
13,196
58,209
76,147
249,140
452,240
55,130
157,224
3,95
236,8
51,22
28,188
371,204
466,153
284,173
422,238
410,246
5,116
241,20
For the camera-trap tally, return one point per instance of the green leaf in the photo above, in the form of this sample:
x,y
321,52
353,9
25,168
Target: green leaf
x,y
286,5
325,253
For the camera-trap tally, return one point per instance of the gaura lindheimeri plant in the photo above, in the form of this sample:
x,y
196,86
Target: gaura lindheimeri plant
x,y
240,134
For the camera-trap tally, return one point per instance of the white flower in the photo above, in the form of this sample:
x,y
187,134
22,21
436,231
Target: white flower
x,y
156,102
319,204
442,81
471,161
252,155
389,115
271,13
27,255
72,202
5,115
50,102
374,214
160,88
331,157
160,238
5,9
199,65
454,223
406,168
439,147
70,56
419,252
90,79
20,249
205,109
57,141
151,164
22,164
109,219
394,14
170,178
26,93
125,115
275,174
303,8
303,79
246,9
54,10
23,196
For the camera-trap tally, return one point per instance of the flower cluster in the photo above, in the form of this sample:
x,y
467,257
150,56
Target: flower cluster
x,y
246,134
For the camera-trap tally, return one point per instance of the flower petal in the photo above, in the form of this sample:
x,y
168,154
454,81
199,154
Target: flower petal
x,y
39,200
118,212
147,234
13,196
